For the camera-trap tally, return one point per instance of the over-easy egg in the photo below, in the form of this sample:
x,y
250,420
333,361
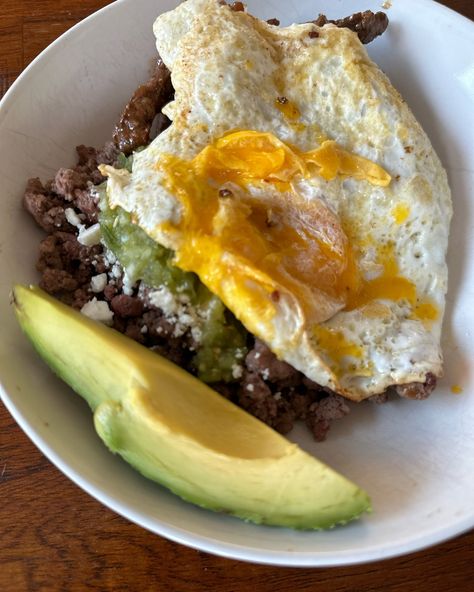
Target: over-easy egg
x,y
298,185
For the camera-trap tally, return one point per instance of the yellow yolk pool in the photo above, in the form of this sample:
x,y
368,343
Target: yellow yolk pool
x,y
280,241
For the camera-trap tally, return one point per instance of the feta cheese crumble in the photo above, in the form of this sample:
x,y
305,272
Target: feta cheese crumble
x,y
98,282
98,310
89,236
178,309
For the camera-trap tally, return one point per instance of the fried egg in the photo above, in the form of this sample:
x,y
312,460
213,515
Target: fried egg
x,y
297,184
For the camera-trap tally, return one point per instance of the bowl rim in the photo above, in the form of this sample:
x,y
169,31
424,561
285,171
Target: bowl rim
x,y
177,534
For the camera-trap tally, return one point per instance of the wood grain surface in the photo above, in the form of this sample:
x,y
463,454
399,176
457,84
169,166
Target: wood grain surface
x,y
56,538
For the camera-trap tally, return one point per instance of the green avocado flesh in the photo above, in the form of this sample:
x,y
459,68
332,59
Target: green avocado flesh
x,y
223,337
175,430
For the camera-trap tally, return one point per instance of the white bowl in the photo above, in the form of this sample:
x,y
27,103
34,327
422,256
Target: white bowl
x,y
416,459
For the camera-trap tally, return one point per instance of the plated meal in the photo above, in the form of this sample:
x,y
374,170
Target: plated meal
x,y
270,217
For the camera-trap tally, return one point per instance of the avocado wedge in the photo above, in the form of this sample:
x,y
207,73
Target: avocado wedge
x,y
177,431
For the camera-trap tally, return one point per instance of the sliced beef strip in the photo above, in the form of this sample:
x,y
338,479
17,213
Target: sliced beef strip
x,y
368,25
134,126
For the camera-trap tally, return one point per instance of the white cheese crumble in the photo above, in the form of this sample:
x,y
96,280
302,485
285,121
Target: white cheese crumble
x,y
250,388
178,309
128,284
98,282
164,299
116,271
109,257
265,374
237,371
98,310
89,236
72,217
196,333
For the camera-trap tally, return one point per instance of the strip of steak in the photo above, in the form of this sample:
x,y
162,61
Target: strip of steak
x,y
368,25
134,126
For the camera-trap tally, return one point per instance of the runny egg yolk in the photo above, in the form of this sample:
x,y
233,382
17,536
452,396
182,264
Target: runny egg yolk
x,y
249,247
426,311
338,348
246,156
249,250
388,285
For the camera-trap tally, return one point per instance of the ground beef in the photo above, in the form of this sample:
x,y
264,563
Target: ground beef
x,y
68,181
134,126
367,25
279,395
89,158
263,362
237,6
127,306
379,399
323,412
160,330
87,203
174,351
417,390
69,189
45,206
66,266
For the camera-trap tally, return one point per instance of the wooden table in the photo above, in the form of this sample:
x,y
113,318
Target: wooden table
x,y
55,538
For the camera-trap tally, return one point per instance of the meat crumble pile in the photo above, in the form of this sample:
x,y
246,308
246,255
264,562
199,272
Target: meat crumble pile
x,y
77,268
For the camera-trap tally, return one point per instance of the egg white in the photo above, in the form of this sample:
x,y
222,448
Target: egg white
x,y
227,69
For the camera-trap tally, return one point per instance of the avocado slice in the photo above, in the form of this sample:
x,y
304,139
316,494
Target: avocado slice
x,y
177,431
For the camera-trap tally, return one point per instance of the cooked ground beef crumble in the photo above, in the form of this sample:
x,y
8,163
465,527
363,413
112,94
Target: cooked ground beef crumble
x,y
76,268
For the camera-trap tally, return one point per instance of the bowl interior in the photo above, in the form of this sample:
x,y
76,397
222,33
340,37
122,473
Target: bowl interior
x,y
416,459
